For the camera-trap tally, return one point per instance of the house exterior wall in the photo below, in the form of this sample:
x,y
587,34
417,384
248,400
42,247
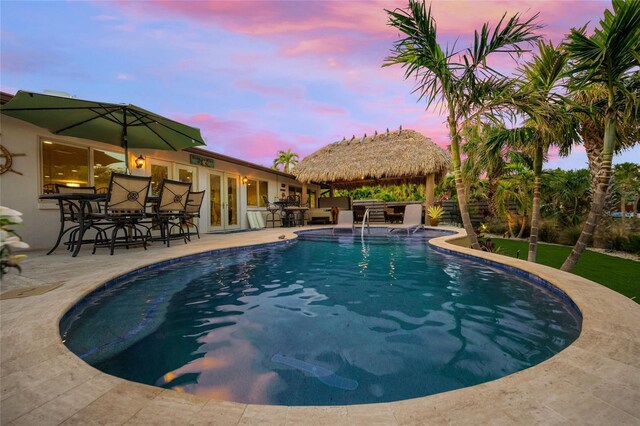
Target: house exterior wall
x,y
41,218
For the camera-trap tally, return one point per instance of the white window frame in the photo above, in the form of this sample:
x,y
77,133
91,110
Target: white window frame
x,y
259,197
91,150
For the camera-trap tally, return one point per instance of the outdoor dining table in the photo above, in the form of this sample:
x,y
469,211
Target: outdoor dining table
x,y
82,201
289,210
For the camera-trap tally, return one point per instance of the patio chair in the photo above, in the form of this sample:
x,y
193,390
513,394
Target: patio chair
x,y
171,210
69,213
345,221
194,203
411,220
123,210
272,209
294,211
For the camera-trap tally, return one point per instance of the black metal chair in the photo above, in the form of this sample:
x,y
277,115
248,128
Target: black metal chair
x,y
170,212
69,213
123,210
194,203
272,209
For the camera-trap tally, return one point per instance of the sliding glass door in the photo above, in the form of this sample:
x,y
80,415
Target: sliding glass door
x,y
224,202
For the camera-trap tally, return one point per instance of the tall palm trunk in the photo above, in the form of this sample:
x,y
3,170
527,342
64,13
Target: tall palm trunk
x,y
599,198
535,212
491,196
593,145
457,173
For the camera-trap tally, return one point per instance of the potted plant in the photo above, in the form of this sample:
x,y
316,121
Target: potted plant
x,y
435,214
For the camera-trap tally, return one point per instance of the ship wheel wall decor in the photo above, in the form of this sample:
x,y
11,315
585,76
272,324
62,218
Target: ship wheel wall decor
x,y
6,161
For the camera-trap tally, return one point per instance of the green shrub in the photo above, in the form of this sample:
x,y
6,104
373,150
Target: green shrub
x,y
495,226
632,245
619,235
569,235
549,231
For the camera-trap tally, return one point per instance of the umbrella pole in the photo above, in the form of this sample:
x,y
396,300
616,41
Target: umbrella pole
x,y
124,141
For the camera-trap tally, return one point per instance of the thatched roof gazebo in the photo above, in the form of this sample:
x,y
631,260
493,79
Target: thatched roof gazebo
x,y
390,158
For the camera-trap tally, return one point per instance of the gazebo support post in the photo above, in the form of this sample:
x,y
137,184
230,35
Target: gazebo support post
x,y
331,192
304,198
429,190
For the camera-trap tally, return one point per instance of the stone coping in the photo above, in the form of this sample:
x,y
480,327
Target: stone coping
x,y
595,380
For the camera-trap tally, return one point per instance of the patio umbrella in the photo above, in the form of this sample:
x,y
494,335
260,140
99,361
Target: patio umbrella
x,y
118,124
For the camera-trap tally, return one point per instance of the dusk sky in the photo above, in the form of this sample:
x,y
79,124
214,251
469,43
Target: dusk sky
x,y
255,77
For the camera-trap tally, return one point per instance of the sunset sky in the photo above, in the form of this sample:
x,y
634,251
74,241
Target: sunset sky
x,y
255,77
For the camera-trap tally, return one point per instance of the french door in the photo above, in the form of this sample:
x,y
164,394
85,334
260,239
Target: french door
x,y
224,202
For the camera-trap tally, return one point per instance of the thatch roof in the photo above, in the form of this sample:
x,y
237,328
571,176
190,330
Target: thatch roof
x,y
400,156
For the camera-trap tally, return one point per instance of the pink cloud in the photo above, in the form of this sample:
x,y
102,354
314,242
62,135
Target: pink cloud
x,y
319,45
292,93
328,109
241,139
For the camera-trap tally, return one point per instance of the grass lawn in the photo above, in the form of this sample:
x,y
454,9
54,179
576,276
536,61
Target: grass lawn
x,y
621,275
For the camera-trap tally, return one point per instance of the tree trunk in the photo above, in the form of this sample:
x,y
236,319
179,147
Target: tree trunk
x,y
457,172
599,197
593,145
523,226
510,224
535,211
623,206
492,187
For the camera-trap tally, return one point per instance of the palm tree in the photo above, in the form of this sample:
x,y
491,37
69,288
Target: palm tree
x,y
481,161
565,195
590,103
553,124
287,159
609,57
461,80
514,190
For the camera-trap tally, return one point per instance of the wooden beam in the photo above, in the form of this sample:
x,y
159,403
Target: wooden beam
x,y
304,197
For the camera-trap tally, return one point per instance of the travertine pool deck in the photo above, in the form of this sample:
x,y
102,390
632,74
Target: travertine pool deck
x,y
596,380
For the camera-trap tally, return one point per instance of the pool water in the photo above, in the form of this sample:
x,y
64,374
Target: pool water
x,y
324,320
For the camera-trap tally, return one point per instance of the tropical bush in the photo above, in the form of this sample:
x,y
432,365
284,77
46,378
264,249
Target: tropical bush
x,y
549,231
435,214
569,234
620,235
495,226
9,239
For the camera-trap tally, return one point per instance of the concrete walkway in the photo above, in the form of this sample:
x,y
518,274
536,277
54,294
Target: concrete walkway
x,y
596,380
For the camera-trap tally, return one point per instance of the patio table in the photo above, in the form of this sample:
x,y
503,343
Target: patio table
x,y
82,201
289,211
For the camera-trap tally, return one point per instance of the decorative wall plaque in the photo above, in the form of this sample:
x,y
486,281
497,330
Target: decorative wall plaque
x,y
6,161
202,161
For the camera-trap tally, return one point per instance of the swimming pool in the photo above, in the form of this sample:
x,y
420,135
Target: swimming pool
x,y
321,321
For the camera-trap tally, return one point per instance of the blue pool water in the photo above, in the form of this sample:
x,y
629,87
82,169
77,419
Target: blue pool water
x,y
321,321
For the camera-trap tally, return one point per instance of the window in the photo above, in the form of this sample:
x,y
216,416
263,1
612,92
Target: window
x,y
263,188
158,174
295,190
256,189
105,163
63,164
311,197
185,175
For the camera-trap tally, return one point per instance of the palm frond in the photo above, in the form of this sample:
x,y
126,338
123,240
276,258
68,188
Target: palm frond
x,y
612,51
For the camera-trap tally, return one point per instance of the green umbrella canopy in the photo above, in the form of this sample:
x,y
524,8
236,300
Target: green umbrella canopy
x,y
125,125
